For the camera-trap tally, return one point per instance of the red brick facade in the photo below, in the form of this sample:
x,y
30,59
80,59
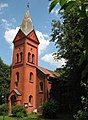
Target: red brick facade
x,y
29,82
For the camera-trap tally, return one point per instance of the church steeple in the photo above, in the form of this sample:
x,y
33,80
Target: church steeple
x,y
26,25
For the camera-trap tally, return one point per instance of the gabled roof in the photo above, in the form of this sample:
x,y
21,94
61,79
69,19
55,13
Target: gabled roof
x,y
32,36
26,30
48,72
16,91
19,35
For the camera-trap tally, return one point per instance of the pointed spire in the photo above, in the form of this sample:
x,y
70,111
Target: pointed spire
x,y
26,25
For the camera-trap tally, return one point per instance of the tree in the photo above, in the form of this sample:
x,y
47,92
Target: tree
x,y
4,82
71,38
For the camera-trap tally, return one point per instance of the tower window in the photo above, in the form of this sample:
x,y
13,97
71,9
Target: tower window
x,y
29,57
30,100
17,79
41,102
31,77
33,58
17,76
21,56
41,86
17,57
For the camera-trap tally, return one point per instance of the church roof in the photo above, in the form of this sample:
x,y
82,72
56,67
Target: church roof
x,y
17,92
26,25
49,72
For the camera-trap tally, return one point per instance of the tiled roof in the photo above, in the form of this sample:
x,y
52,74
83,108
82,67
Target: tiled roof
x,y
49,72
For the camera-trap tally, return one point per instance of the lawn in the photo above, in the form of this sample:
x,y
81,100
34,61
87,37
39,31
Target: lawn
x,y
7,118
36,117
30,117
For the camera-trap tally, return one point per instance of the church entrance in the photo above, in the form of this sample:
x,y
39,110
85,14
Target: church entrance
x,y
13,100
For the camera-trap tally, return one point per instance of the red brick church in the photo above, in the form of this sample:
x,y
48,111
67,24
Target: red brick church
x,y
30,84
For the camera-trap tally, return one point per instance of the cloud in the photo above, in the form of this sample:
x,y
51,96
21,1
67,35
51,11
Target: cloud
x,y
44,41
49,58
10,35
3,5
8,24
10,30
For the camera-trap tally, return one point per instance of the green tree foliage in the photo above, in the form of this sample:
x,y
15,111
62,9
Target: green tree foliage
x,y
71,39
4,109
50,110
4,81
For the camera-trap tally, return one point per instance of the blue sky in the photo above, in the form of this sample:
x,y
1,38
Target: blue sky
x,y
11,16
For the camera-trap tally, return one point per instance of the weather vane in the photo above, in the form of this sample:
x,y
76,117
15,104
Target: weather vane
x,y
28,5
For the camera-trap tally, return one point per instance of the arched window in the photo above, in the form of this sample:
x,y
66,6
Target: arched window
x,y
17,79
21,56
17,76
29,57
30,100
17,57
41,86
48,94
33,58
31,77
41,102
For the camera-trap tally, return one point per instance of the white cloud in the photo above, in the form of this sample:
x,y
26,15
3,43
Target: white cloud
x,y
8,24
3,5
10,31
46,36
10,35
49,58
44,41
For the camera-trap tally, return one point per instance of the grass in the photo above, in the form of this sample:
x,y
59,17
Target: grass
x,y
36,117
30,117
7,118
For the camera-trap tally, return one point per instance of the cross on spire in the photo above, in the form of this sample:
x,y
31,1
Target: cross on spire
x,y
28,5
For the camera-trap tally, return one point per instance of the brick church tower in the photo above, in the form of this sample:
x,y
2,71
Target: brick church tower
x,y
29,82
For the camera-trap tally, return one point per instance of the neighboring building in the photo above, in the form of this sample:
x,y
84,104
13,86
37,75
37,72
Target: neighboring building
x,y
30,84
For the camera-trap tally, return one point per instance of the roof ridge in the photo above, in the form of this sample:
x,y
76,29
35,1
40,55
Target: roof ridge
x,y
50,72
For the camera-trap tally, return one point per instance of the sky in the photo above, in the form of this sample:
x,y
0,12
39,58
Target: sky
x,y
11,16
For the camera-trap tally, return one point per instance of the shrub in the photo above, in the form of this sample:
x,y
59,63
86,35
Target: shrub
x,y
33,116
50,109
3,109
19,111
82,115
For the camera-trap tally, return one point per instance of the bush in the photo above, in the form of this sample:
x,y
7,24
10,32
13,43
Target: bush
x,y
50,109
32,116
19,111
82,115
3,109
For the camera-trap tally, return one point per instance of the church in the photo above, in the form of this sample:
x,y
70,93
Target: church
x,y
30,83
